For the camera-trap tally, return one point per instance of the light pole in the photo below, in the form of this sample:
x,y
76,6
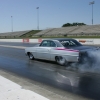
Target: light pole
x,y
12,23
37,18
91,3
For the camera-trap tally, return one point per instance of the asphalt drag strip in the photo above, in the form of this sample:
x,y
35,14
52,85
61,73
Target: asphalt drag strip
x,y
85,84
63,80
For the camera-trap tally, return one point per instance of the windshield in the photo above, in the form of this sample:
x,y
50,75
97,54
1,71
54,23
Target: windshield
x,y
70,43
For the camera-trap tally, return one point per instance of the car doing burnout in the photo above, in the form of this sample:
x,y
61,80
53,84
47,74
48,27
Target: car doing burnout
x,y
63,51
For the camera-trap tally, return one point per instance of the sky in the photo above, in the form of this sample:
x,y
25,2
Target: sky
x,y
52,13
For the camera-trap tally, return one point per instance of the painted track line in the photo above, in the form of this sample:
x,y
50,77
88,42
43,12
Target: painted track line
x,y
18,47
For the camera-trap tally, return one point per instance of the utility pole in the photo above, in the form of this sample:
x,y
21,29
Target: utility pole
x,y
12,23
37,18
91,3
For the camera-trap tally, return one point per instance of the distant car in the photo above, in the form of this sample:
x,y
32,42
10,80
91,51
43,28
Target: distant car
x,y
62,50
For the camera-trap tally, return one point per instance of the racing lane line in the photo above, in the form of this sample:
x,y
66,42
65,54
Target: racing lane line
x,y
48,69
18,47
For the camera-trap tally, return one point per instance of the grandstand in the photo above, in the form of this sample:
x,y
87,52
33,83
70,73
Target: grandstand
x,y
44,32
55,31
86,30
14,34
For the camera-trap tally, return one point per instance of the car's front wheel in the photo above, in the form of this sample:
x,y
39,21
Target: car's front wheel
x,y
30,55
61,60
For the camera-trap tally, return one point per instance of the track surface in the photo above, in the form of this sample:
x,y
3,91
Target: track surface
x,y
49,73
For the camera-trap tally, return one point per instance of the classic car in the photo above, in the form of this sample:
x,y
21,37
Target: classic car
x,y
62,50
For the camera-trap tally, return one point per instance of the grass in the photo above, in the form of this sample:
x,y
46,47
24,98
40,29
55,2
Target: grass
x,y
30,34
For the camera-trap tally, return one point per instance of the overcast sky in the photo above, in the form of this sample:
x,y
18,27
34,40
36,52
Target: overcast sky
x,y
52,13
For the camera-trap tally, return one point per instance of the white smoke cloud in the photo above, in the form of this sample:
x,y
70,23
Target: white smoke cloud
x,y
92,64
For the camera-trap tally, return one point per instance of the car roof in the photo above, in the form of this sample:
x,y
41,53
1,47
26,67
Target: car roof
x,y
60,39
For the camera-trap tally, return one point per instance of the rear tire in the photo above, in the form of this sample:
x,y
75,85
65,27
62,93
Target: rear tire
x,y
61,60
30,55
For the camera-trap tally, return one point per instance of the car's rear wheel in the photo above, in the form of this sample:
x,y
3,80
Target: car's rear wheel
x,y
61,60
30,55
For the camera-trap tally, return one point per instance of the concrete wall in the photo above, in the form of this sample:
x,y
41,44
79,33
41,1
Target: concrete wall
x,y
83,41
10,40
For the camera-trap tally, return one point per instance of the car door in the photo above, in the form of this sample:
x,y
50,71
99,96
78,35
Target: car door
x,y
43,51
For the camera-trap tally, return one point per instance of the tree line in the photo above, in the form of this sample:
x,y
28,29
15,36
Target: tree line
x,y
73,24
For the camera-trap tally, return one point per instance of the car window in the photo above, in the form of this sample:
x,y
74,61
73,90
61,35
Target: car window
x,y
70,43
52,44
45,43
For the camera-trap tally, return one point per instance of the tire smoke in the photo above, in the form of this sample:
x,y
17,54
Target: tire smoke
x,y
91,64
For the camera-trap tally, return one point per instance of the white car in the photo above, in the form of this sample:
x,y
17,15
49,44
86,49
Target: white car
x,y
63,51
59,50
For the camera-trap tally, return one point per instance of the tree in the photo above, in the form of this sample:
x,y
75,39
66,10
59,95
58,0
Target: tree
x,y
73,24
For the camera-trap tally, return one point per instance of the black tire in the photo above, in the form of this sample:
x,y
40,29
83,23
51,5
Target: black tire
x,y
61,60
30,55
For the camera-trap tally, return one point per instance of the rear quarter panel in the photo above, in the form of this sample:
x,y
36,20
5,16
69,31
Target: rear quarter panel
x,y
69,55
